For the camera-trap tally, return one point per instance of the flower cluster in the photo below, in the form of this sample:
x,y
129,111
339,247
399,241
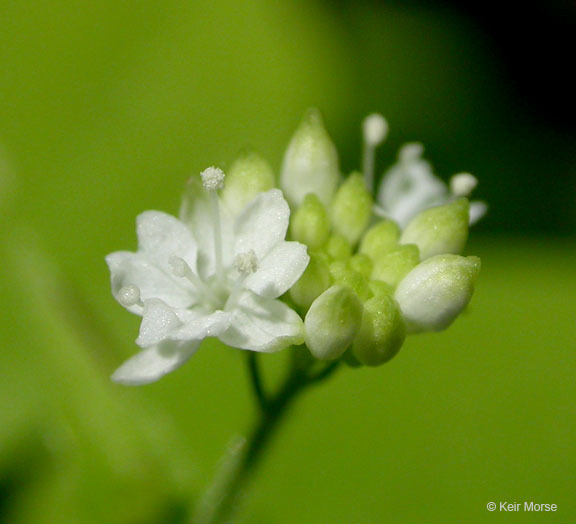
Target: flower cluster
x,y
353,279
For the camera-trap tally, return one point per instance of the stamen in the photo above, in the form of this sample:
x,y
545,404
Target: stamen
x,y
462,184
129,296
213,178
247,262
180,268
375,129
215,208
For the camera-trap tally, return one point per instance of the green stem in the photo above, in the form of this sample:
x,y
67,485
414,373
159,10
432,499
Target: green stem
x,y
256,380
222,499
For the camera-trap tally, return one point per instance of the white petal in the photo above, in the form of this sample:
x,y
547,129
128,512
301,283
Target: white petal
x,y
197,325
263,224
161,236
410,187
477,210
158,321
264,325
161,322
135,269
279,270
153,363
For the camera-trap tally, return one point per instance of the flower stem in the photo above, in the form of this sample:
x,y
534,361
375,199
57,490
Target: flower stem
x,y
256,380
222,500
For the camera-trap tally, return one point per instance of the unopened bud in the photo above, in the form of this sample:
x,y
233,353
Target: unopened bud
x,y
332,322
393,267
438,230
379,288
310,224
362,264
314,281
352,208
249,175
344,275
435,292
382,332
338,248
380,239
310,162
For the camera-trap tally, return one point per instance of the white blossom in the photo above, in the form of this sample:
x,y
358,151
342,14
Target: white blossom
x,y
208,274
410,187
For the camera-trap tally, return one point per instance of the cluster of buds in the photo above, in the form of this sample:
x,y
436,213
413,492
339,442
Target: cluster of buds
x,y
318,262
378,271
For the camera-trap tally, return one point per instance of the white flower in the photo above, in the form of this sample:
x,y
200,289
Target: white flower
x,y
410,187
210,274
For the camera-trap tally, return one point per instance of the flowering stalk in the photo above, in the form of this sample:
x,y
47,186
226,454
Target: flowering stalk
x,y
317,268
223,497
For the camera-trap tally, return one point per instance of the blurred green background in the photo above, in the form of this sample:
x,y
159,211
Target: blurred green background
x,y
107,107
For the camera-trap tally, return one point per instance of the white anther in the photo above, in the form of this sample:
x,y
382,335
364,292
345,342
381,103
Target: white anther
x,y
375,129
410,152
247,262
129,295
213,178
462,184
179,266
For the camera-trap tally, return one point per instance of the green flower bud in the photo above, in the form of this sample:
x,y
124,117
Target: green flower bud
x,y
310,223
394,266
362,264
310,163
248,175
438,230
332,322
380,239
379,288
344,275
382,331
435,292
352,208
338,248
314,281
